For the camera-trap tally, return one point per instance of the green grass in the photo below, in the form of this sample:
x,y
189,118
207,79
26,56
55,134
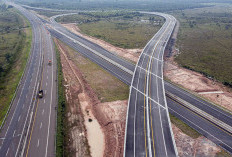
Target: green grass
x,y
15,42
107,87
205,41
60,130
184,127
121,29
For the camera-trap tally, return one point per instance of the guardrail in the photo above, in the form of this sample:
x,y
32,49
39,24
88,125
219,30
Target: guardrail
x,y
205,115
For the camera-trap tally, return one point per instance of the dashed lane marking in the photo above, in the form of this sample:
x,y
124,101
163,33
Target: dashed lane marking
x,y
38,143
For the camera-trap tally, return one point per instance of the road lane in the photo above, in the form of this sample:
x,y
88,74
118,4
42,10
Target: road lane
x,y
201,104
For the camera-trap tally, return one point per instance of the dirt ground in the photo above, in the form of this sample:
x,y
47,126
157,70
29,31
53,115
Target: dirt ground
x,y
113,124
82,131
196,82
99,121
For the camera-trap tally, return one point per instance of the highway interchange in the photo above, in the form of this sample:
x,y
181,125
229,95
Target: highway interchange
x,y
205,127
149,131
34,120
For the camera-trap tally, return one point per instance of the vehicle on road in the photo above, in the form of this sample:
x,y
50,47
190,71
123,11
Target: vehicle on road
x,y
40,94
49,62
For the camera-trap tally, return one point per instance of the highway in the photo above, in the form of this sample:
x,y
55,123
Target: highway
x,y
205,127
148,128
29,128
40,135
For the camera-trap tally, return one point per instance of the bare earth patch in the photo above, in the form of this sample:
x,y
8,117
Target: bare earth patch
x,y
198,83
103,124
112,115
188,146
80,100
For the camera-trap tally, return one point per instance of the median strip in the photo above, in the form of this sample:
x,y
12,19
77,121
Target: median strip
x,y
200,112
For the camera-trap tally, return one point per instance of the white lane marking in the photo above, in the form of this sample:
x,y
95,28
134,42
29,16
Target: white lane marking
x,y
201,128
41,124
26,96
150,72
14,133
23,106
35,87
38,143
148,97
50,105
44,101
19,118
46,84
45,91
43,112
192,96
47,77
96,52
7,151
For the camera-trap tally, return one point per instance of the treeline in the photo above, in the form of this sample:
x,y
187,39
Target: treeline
x,y
131,5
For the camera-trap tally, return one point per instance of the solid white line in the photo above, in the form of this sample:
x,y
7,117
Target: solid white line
x,y
151,73
38,143
201,128
190,95
50,105
14,133
149,97
30,107
7,151
97,53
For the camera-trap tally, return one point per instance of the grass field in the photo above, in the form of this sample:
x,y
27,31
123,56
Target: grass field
x,y
107,87
205,41
122,29
15,43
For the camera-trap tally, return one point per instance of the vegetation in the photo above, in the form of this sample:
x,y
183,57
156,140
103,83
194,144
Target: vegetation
x,y
205,41
223,153
122,29
161,5
107,87
15,43
184,127
60,129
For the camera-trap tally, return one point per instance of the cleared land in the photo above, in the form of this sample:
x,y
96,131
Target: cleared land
x,y
122,29
205,41
197,144
15,43
85,87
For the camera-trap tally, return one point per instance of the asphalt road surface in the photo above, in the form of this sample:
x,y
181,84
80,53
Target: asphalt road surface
x,y
148,129
205,127
29,128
